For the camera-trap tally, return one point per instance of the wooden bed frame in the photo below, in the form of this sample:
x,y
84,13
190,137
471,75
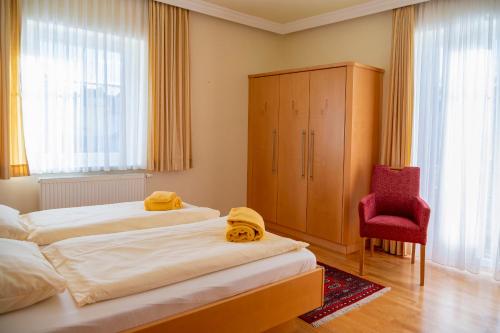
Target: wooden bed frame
x,y
256,310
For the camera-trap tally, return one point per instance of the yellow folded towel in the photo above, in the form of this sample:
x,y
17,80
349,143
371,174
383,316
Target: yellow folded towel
x,y
244,225
162,200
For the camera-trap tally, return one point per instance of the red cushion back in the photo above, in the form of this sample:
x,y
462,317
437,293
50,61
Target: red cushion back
x,y
394,189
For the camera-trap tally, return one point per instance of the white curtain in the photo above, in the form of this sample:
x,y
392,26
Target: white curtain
x,y
84,84
456,139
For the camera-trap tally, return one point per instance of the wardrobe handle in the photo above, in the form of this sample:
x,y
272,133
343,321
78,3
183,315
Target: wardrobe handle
x,y
311,155
303,153
273,166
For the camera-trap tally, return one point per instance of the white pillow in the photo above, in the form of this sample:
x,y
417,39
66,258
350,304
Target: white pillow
x,y
10,225
26,277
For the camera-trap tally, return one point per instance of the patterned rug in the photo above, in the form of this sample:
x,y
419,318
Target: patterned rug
x,y
343,292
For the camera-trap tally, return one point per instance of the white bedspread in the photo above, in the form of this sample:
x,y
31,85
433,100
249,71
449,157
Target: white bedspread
x,y
60,313
49,226
102,267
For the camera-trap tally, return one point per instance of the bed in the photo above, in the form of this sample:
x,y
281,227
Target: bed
x,y
49,226
250,297
275,289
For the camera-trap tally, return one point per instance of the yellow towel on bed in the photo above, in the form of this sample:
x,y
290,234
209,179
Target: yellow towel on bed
x,y
162,200
244,225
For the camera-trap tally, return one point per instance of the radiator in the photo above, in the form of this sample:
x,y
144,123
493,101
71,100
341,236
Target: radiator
x,y
91,190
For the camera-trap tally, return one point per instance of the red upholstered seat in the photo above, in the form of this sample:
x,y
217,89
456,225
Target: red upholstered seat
x,y
393,227
394,209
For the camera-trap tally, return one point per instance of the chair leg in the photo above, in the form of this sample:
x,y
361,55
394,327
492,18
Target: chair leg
x,y
413,250
362,256
372,245
422,264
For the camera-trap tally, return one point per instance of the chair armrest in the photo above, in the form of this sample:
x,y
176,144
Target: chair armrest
x,y
421,212
367,208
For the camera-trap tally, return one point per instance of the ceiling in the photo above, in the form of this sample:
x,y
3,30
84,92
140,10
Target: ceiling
x,y
288,16
284,11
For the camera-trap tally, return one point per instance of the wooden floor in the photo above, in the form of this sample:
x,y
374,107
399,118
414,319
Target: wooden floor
x,y
451,301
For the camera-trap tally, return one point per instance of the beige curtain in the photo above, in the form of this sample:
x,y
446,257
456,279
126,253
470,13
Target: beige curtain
x,y
169,144
13,160
396,139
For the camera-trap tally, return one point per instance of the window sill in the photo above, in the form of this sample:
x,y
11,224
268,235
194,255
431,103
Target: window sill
x,y
91,176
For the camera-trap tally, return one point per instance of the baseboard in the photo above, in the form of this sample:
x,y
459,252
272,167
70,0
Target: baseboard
x,y
332,246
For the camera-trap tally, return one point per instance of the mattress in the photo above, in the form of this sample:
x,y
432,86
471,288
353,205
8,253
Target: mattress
x,y
60,313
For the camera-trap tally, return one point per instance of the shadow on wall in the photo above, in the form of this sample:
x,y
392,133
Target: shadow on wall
x,y
197,187
20,193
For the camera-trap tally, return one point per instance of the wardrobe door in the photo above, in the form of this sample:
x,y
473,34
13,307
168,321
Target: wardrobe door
x,y
292,161
263,145
326,153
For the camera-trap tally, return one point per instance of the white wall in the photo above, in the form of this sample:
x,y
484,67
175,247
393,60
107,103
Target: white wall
x,y
366,40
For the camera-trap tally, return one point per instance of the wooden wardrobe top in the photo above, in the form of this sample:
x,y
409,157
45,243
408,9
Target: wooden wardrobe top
x,y
312,68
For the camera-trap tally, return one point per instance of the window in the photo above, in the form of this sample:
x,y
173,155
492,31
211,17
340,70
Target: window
x,y
84,85
456,136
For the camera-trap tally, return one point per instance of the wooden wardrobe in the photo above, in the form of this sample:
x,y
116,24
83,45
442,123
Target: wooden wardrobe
x,y
313,138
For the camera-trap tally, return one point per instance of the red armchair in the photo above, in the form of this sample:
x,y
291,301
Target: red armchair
x,y
393,210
